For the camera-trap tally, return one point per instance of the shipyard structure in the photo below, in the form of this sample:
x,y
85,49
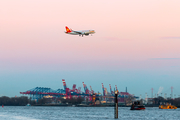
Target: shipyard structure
x,y
89,96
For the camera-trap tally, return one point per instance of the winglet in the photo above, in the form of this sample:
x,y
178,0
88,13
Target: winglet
x,y
68,30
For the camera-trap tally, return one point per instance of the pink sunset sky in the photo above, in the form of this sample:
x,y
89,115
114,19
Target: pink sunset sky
x,y
131,35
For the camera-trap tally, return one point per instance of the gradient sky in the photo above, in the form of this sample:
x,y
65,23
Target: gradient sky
x,y
136,45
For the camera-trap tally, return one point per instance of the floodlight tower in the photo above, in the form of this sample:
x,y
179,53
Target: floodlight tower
x,y
152,92
172,92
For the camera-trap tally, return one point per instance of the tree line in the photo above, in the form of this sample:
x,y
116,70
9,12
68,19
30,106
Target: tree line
x,y
160,100
23,100
14,101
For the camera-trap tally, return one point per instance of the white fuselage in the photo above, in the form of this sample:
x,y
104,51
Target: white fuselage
x,y
83,32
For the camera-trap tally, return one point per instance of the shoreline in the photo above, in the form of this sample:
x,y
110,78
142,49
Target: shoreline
x,y
81,105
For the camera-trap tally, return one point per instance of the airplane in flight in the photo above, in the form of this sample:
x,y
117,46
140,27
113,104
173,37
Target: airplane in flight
x,y
80,33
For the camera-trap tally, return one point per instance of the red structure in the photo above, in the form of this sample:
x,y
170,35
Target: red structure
x,y
111,89
40,92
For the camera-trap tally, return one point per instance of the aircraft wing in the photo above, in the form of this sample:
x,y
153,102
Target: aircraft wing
x,y
77,32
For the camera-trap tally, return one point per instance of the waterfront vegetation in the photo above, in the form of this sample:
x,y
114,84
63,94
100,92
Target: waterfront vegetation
x,y
160,100
14,101
24,100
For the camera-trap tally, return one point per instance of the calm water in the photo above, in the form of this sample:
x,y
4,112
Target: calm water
x,y
84,113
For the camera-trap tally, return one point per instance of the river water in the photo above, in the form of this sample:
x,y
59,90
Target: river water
x,y
85,113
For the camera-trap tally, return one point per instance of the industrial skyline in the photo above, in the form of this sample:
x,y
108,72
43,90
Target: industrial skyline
x,y
68,92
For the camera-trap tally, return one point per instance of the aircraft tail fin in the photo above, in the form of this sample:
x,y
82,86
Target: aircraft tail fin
x,y
68,30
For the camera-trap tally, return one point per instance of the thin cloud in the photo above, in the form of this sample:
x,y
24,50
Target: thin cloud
x,y
165,58
114,39
171,37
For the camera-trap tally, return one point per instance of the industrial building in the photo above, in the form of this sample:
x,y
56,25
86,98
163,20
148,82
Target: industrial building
x,y
88,95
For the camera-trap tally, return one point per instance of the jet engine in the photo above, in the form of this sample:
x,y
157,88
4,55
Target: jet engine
x,y
86,34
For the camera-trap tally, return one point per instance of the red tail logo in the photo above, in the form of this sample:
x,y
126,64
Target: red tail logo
x,y
68,30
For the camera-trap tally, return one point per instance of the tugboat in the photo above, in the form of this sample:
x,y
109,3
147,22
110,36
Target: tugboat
x,y
137,106
167,106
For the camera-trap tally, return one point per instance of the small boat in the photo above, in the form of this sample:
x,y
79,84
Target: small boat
x,y
137,106
167,106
